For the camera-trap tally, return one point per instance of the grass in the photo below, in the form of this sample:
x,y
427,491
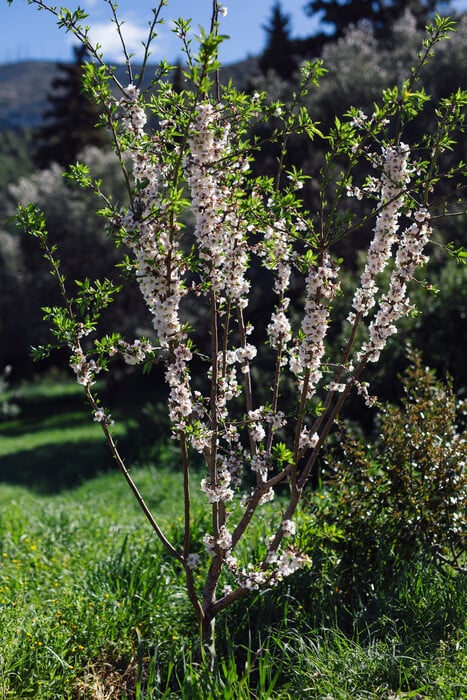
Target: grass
x,y
90,607
53,443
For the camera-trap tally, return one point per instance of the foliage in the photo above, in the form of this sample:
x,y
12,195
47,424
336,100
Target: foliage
x,y
404,497
360,53
15,158
379,15
74,226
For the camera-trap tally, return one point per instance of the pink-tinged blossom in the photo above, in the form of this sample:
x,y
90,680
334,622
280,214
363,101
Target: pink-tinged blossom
x,y
394,180
277,253
395,303
134,353
152,236
276,420
359,120
307,356
255,425
260,463
280,565
220,492
339,387
225,539
209,545
84,368
223,542
218,230
134,116
307,439
279,329
234,463
288,528
192,561
288,562
246,354
267,497
101,416
251,578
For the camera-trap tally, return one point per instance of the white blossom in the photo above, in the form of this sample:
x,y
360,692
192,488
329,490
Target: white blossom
x,y
307,356
220,492
288,527
192,561
394,180
218,230
395,302
225,538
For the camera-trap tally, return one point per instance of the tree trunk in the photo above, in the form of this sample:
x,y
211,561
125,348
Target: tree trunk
x,y
208,640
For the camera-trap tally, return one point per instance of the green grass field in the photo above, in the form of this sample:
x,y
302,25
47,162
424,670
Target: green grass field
x,y
90,606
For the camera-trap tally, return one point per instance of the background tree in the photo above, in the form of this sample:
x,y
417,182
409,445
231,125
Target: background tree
x,y
380,14
80,236
279,52
70,122
179,82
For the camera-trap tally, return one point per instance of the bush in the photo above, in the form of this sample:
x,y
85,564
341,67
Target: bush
x,y
403,498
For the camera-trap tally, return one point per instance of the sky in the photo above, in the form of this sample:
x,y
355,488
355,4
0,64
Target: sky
x,y
26,33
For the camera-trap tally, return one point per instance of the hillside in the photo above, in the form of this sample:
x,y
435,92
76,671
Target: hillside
x,y
24,88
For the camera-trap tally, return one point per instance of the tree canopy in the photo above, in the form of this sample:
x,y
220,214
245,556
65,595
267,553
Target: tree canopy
x,y
380,14
70,121
279,52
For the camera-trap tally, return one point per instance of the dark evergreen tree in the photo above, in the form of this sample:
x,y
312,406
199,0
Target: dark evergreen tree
x,y
70,122
179,82
279,52
381,14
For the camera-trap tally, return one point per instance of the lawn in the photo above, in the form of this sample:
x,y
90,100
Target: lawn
x,y
91,607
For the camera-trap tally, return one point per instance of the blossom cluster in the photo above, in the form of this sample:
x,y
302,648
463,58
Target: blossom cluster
x,y
395,302
277,566
306,358
84,368
223,236
218,228
223,542
102,416
394,180
134,353
151,234
220,491
223,250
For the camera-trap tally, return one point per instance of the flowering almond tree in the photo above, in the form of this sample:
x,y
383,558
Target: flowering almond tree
x,y
199,159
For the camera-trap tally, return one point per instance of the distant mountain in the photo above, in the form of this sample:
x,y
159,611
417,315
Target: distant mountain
x,y
24,88
23,91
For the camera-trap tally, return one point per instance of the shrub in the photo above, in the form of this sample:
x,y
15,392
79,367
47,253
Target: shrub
x,y
403,497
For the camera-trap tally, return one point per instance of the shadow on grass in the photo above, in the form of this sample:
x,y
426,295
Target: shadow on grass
x,y
51,468
37,414
54,444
